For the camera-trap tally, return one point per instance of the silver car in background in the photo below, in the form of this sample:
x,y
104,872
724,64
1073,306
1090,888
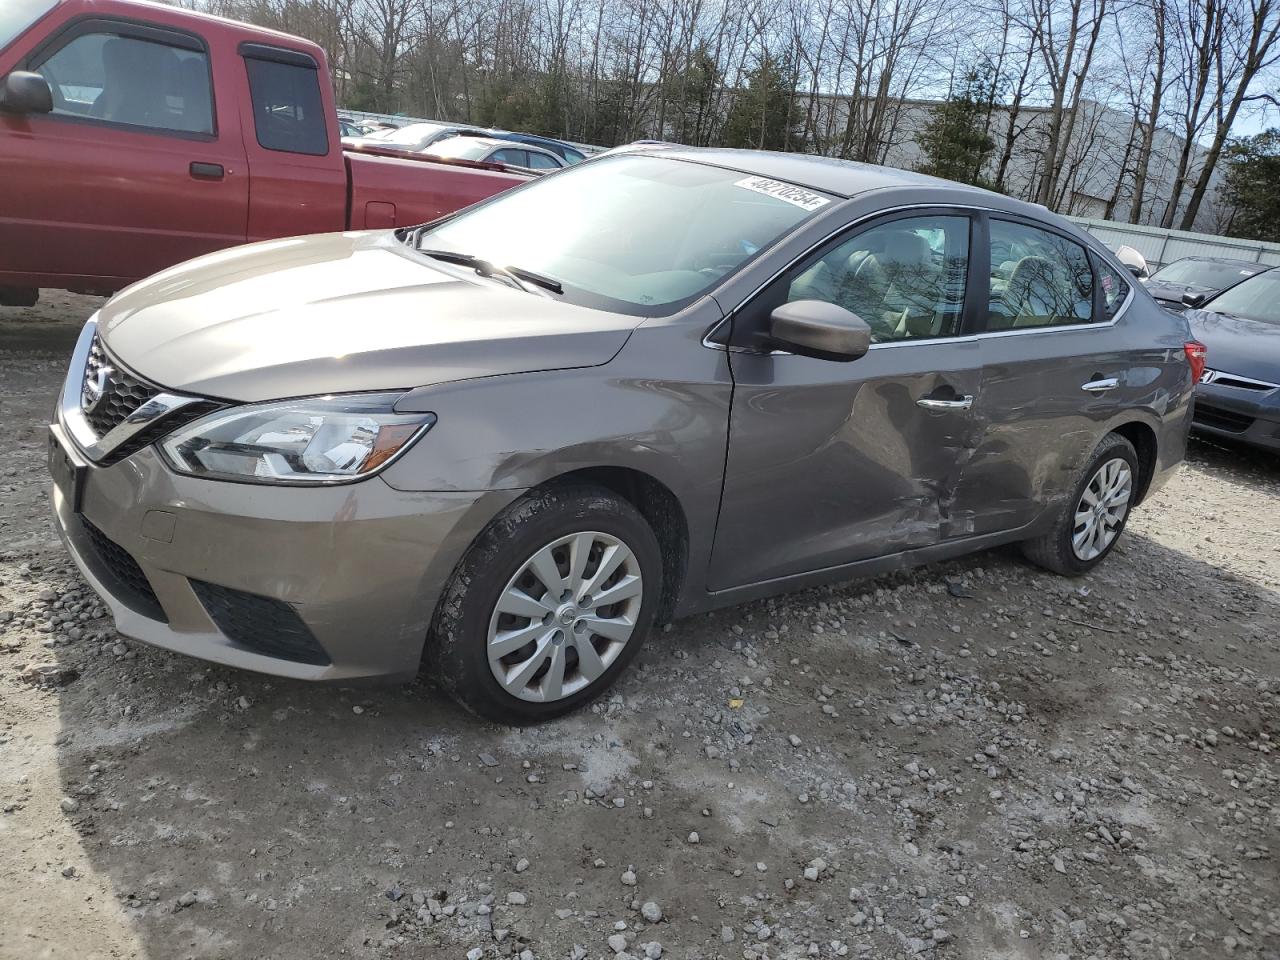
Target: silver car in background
x,y
636,389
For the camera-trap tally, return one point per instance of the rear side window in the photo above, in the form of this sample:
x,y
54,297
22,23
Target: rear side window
x,y
288,112
1038,279
1114,289
128,80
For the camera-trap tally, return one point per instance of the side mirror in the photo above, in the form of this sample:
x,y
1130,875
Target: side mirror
x,y
1194,300
815,328
1138,271
23,92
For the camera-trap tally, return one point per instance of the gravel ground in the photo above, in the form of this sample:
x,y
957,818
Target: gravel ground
x,y
973,760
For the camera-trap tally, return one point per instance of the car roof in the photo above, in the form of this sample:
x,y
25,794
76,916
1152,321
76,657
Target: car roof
x,y
849,178
844,178
483,139
1228,260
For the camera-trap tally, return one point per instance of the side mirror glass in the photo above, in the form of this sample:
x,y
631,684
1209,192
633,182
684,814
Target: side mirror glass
x,y
815,328
1194,300
23,92
1138,271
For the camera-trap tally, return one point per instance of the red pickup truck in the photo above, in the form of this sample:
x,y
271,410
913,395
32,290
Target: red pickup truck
x,y
134,136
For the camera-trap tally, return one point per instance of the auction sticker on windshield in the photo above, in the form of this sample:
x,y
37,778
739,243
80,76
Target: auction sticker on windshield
x,y
805,199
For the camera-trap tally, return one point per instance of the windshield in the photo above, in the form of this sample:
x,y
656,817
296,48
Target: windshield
x,y
463,148
1257,298
635,234
17,15
411,135
1205,273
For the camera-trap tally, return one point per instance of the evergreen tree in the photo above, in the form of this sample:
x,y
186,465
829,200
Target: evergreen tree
x,y
760,116
1252,186
955,142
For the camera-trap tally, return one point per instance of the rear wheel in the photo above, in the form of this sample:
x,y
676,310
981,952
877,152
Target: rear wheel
x,y
548,606
1090,522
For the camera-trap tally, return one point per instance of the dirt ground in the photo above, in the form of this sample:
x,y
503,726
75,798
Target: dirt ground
x,y
975,760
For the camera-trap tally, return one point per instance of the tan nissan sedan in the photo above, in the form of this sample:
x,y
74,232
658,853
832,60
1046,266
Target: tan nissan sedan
x,y
642,387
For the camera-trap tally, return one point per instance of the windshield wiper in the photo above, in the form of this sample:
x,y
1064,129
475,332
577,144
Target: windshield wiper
x,y
517,275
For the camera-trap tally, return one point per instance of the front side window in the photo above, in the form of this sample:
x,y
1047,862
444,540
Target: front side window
x,y
540,161
1038,279
128,80
288,113
905,278
17,15
633,233
515,158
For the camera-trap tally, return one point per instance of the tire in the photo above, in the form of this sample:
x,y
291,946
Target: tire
x,y
1060,549
508,562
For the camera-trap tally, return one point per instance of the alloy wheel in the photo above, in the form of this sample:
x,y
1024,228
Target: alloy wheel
x,y
565,616
1102,508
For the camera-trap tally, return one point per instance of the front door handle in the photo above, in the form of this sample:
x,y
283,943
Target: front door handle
x,y
207,171
959,403
1101,386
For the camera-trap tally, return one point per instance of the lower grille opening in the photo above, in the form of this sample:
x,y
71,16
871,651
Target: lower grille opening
x,y
1220,419
261,624
123,576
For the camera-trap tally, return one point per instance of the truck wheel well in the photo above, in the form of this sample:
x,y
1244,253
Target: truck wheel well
x,y
1143,439
661,509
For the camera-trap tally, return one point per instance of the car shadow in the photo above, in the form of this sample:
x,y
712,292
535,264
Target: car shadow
x,y
241,815
1238,459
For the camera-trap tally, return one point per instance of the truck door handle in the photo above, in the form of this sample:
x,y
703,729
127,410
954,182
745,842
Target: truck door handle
x,y
207,171
959,403
1101,386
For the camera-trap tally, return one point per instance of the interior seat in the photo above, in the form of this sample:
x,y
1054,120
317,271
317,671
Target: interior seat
x,y
132,83
192,83
1033,296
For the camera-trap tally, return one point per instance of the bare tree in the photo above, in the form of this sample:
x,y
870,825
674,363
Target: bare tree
x,y
1249,47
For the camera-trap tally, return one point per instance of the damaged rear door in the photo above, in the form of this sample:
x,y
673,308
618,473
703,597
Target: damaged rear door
x,y
831,462
1056,371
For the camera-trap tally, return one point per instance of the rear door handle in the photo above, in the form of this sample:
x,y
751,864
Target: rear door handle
x,y
1101,386
207,171
959,403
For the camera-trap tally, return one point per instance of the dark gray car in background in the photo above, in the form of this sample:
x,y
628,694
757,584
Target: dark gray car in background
x,y
1238,397
642,387
1193,280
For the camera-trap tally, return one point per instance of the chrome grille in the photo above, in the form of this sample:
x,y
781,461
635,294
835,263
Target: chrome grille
x,y
109,393
1223,379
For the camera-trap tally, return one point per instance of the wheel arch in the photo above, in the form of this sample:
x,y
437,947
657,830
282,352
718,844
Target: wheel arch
x,y
661,509
1143,438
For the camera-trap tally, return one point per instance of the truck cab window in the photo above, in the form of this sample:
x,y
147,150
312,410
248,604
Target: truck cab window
x,y
288,112
128,80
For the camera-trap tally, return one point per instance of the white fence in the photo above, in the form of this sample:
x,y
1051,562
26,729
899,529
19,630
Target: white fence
x,y
1161,246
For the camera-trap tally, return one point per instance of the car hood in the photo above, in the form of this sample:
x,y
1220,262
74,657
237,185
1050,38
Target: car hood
x,y
341,313
1248,348
1173,291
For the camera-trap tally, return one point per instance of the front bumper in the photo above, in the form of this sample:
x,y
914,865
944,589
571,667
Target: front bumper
x,y
1245,416
316,583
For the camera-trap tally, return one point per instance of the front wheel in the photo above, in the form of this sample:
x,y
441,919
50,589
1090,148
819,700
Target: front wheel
x,y
548,606
1091,521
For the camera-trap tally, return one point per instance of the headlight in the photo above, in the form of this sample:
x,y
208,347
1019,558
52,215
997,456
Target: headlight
x,y
310,441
